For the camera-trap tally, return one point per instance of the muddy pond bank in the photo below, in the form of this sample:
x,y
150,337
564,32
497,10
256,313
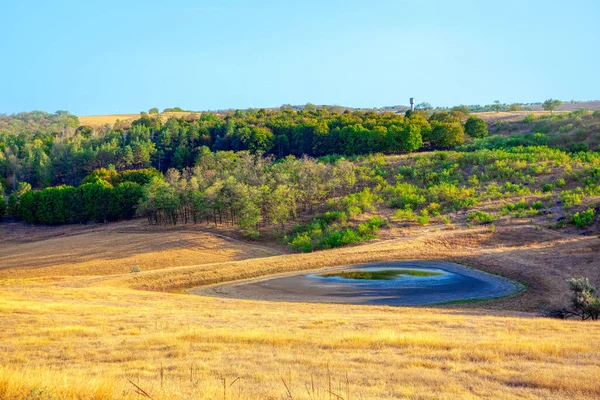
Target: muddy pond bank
x,y
394,283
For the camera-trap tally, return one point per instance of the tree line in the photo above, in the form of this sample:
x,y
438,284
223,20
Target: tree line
x,y
104,195
52,149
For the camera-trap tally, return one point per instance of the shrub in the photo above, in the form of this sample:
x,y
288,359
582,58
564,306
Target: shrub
x,y
135,269
302,242
547,187
584,302
405,214
423,219
583,218
479,216
476,127
570,198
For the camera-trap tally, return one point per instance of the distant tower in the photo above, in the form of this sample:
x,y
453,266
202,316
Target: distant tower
x,y
412,104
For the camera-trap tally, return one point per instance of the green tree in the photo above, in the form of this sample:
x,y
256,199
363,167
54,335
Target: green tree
x,y
551,105
95,200
2,202
584,302
124,200
476,127
496,106
447,134
27,209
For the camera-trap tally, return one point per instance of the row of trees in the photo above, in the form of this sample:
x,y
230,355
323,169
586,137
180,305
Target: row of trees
x,y
245,190
104,196
52,149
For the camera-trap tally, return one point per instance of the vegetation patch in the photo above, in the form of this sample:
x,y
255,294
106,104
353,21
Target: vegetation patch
x,y
384,274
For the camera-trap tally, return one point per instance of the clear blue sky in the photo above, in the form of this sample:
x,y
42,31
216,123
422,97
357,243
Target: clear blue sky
x,y
111,56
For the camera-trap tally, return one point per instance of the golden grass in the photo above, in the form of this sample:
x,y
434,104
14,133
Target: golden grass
x,y
110,119
89,342
114,251
91,337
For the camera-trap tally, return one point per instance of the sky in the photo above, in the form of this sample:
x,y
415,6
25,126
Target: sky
x,y
103,57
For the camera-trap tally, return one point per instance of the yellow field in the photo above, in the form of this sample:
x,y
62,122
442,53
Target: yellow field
x,y
97,335
110,119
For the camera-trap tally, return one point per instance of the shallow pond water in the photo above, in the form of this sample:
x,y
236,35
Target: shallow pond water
x,y
384,283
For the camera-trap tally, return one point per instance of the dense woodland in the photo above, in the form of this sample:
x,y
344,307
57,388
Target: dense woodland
x,y
52,149
254,170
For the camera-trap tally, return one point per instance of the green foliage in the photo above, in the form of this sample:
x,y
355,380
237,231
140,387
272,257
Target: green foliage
x,y
547,188
476,127
405,214
319,234
584,218
570,198
584,302
423,218
446,134
480,217
2,203
551,105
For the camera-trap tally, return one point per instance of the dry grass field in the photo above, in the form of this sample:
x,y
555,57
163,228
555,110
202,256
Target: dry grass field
x,y
77,324
110,119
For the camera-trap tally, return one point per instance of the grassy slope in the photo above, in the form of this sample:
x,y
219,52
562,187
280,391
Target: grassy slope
x,y
86,337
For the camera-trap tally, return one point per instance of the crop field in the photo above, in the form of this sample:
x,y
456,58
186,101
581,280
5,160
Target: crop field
x,y
109,333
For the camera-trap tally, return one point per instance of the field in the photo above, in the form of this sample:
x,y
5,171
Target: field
x,y
110,119
97,335
106,311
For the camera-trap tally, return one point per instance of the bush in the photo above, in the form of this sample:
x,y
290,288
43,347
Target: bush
x,y
301,242
570,198
405,214
424,218
479,216
447,134
584,218
584,303
476,127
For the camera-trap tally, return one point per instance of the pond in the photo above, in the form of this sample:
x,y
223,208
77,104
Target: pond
x,y
384,283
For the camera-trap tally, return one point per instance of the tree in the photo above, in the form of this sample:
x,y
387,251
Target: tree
x,y
515,107
424,106
476,127
27,209
95,204
124,200
153,110
2,202
497,106
447,134
551,105
585,304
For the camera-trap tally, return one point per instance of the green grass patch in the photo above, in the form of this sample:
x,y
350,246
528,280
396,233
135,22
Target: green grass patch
x,y
382,275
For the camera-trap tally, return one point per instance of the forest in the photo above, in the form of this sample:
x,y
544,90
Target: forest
x,y
258,171
53,149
